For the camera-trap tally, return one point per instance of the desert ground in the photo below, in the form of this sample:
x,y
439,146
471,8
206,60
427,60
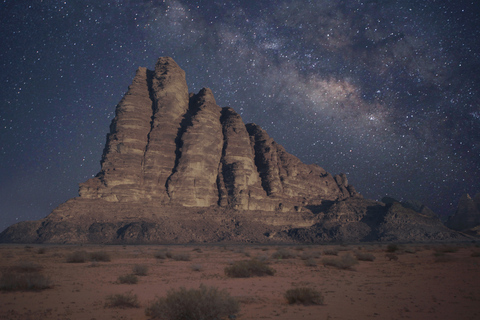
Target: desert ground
x,y
412,281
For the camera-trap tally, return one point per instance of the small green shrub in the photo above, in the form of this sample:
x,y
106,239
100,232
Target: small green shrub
x,y
99,256
283,254
304,295
125,300
77,257
330,252
128,279
140,270
392,247
206,303
344,262
248,268
364,256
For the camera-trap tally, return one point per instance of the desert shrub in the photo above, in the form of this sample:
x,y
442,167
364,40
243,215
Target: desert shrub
x,y
41,250
410,250
310,262
392,247
309,255
10,280
128,279
198,250
169,254
140,270
26,266
197,267
330,252
248,268
206,303
442,257
125,300
304,295
160,255
77,257
364,256
283,254
475,254
99,256
346,261
391,256
182,256
446,249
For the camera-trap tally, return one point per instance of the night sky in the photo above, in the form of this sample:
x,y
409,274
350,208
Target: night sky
x,y
386,91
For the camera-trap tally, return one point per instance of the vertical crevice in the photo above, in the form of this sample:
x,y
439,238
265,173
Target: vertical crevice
x,y
184,125
150,75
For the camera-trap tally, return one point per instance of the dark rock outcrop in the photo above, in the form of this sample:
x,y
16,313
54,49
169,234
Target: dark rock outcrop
x,y
178,168
467,215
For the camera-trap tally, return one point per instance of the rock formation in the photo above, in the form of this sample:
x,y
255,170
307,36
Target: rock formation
x,y
467,215
178,168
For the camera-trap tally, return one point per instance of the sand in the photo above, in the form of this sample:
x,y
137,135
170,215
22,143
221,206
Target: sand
x,y
418,285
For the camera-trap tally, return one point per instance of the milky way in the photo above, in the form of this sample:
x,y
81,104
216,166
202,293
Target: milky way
x,y
385,91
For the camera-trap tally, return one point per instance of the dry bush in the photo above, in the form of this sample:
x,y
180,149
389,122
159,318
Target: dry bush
x,y
444,258
197,267
99,256
392,247
446,249
308,255
304,295
391,256
330,252
283,254
182,256
206,303
125,300
160,255
41,250
475,254
128,279
14,280
346,261
26,266
310,262
140,270
77,257
364,256
248,268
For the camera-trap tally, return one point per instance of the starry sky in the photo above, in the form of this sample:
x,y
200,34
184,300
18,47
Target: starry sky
x,y
386,91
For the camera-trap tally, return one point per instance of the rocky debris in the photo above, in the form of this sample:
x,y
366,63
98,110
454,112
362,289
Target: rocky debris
x,y
178,168
467,215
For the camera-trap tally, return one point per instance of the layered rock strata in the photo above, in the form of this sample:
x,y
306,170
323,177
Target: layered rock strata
x,y
169,147
177,168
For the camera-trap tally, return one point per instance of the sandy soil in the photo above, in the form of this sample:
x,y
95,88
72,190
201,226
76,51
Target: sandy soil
x,y
419,285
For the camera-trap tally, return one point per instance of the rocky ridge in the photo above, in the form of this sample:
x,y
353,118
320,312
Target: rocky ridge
x,y
178,168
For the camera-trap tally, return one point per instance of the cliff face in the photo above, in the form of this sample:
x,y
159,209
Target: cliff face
x,y
169,147
467,215
178,168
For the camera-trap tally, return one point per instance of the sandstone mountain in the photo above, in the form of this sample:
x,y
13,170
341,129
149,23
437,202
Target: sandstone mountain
x,y
178,168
